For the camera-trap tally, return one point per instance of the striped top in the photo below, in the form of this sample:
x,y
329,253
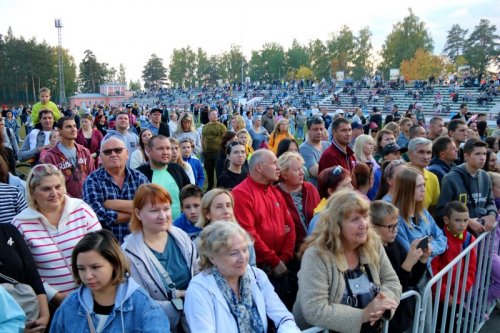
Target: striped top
x,y
52,246
12,202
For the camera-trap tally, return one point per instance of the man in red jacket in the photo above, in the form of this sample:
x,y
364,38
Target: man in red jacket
x,y
339,152
74,160
261,210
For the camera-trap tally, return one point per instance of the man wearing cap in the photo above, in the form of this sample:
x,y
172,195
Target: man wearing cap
x,y
312,149
357,130
392,151
327,119
444,151
339,152
420,153
268,119
155,125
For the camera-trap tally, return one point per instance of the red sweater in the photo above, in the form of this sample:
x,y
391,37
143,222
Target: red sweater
x,y
455,245
262,212
334,155
310,199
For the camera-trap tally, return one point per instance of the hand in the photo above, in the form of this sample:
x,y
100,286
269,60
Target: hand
x,y
35,326
44,147
180,293
413,256
475,226
59,297
489,222
280,270
376,308
427,253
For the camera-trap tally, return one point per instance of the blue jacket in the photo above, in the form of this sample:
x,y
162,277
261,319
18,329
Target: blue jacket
x,y
134,311
439,168
406,234
199,176
12,317
189,228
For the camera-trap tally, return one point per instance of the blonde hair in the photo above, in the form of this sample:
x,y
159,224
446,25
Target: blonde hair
x,y
215,239
359,145
326,238
240,122
249,137
35,177
285,160
180,161
185,116
206,203
494,176
277,130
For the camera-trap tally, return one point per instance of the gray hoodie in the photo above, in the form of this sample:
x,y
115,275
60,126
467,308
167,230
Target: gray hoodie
x,y
454,188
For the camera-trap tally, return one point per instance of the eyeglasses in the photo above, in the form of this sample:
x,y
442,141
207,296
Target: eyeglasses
x,y
117,151
390,227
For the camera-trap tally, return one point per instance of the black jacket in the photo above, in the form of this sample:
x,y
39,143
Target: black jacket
x,y
175,170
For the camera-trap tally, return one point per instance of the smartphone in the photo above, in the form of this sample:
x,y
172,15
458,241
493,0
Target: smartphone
x,y
424,243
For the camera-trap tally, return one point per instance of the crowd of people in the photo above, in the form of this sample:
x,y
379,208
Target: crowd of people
x,y
251,220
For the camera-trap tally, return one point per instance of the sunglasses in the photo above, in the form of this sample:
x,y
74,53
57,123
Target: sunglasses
x,y
117,151
42,168
391,227
337,171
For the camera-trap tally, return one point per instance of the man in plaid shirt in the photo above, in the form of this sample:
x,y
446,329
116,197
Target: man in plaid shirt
x,y
110,189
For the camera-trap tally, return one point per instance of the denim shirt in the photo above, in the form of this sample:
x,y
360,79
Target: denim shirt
x,y
428,227
134,311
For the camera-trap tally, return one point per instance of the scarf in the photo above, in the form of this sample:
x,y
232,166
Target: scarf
x,y
244,309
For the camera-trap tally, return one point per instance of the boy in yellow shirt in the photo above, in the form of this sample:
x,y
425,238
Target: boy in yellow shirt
x,y
45,103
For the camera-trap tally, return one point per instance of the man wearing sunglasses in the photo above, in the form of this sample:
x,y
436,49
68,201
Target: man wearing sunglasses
x,y
110,189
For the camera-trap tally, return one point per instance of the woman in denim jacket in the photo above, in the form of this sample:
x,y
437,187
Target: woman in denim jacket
x,y
107,300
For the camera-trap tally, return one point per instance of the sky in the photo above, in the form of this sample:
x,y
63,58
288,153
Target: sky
x,y
128,32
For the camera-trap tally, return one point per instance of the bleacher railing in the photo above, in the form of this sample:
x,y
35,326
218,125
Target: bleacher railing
x,y
471,311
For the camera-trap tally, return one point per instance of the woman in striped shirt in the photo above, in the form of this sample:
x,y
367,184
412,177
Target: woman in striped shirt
x,y
52,225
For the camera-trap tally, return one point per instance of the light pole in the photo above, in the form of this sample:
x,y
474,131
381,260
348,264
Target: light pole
x,y
62,94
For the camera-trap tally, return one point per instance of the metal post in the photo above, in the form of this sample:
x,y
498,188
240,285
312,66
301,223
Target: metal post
x,y
62,94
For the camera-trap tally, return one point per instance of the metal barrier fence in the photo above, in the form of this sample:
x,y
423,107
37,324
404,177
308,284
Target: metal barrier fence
x,y
471,311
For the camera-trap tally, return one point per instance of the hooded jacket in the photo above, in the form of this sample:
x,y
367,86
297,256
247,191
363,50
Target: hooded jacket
x,y
455,185
207,310
439,168
144,272
134,311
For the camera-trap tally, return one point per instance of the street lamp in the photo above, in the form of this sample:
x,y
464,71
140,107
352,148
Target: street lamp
x,y
62,94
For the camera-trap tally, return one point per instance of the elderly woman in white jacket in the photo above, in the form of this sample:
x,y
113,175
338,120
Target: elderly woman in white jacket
x,y
228,295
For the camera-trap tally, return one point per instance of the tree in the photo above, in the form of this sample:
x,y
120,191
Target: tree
x,y
255,69
297,56
362,55
202,66
406,37
231,63
303,72
182,67
273,61
92,73
482,48
320,60
134,86
122,77
455,42
422,65
154,73
341,48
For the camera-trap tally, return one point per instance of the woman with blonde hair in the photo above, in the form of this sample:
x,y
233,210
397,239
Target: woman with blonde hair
x,y
237,123
280,132
346,281
176,157
414,220
229,295
393,127
186,129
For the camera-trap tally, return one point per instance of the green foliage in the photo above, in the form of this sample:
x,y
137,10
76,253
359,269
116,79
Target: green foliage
x,y
230,64
182,67
455,42
341,48
154,73
362,55
297,56
27,65
320,60
482,48
134,86
92,73
406,37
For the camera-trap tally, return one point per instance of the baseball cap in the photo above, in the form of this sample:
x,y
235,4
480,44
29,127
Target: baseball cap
x,y
392,148
373,125
355,125
338,111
